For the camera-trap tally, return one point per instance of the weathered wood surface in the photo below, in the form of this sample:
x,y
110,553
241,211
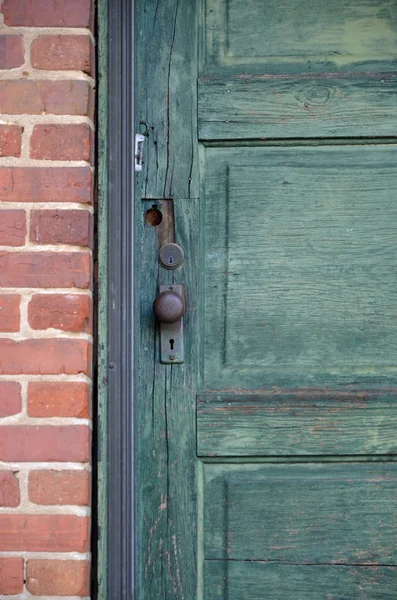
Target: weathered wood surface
x,y
301,513
281,36
229,580
246,107
304,423
300,266
166,97
165,431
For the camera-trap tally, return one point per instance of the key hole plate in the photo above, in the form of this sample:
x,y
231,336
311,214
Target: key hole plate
x,y
172,349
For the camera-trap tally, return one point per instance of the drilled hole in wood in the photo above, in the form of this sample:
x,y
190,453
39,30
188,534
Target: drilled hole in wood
x,y
153,217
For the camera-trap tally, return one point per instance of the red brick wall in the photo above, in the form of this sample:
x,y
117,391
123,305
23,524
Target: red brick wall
x,y
46,184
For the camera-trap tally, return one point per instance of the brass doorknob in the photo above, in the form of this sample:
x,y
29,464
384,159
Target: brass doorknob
x,y
169,307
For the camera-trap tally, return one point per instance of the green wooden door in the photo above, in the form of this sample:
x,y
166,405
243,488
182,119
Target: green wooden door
x,y
266,462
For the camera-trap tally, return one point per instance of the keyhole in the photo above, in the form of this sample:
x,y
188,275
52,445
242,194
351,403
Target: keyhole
x,y
170,261
171,344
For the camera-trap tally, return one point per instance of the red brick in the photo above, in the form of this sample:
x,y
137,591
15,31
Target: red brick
x,y
11,576
46,184
9,489
47,13
44,533
58,577
61,142
59,487
10,139
45,356
61,227
45,269
63,52
10,398
58,399
46,443
9,312
30,97
11,51
12,227
71,312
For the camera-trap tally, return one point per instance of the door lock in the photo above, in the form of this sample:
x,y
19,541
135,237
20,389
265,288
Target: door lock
x,y
169,308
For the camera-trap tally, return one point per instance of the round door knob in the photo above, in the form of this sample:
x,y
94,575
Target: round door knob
x,y
169,307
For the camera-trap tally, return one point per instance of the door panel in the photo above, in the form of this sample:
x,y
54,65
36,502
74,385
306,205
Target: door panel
x,y
259,580
300,264
301,513
255,106
280,36
301,423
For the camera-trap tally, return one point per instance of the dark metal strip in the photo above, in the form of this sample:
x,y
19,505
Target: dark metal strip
x,y
120,500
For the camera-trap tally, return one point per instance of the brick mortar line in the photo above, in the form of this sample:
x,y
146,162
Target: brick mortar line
x,y
20,74
37,31
56,378
25,595
38,509
44,466
35,247
25,119
45,555
23,419
24,401
34,291
39,248
28,214
46,205
44,334
23,161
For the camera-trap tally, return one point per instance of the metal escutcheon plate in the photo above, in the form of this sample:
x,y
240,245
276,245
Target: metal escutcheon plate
x,y
172,349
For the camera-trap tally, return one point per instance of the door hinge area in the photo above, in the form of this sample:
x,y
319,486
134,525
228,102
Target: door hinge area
x,y
139,141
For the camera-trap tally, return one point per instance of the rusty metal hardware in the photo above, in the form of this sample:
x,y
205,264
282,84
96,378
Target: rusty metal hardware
x,y
169,308
171,256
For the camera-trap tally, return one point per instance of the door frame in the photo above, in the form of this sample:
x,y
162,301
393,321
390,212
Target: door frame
x,y
113,519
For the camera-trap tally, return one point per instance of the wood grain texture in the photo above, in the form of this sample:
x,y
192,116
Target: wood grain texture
x,y
282,36
304,423
229,580
300,266
301,514
166,97
165,431
269,107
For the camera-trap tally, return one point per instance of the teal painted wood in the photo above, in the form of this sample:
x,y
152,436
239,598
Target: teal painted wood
x,y
305,423
229,580
166,456
301,514
280,36
296,274
166,88
300,266
274,107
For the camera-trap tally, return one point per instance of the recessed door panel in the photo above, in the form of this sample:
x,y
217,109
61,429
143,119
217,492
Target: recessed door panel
x,y
300,265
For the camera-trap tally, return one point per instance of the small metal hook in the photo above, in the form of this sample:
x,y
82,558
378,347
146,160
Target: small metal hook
x,y
146,128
